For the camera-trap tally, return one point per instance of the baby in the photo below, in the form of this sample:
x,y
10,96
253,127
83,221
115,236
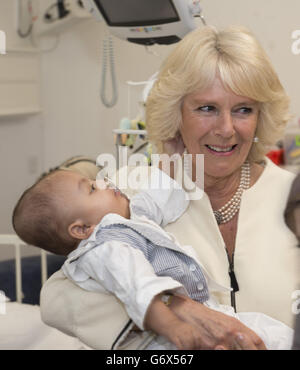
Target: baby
x,y
117,245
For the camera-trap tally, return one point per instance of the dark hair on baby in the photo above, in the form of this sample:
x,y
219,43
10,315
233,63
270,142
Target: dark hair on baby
x,y
38,218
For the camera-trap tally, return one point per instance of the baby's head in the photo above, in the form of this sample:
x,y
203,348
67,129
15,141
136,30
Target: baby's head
x,y
62,209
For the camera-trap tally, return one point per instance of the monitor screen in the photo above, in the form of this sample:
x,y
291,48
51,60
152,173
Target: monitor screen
x,y
132,13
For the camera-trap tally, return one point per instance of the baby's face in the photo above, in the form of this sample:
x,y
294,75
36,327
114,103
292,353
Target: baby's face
x,y
89,203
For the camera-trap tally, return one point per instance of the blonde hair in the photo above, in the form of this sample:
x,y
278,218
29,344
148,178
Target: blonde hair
x,y
242,65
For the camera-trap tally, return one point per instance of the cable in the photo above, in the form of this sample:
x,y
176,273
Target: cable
x,y
47,18
29,30
108,53
27,33
202,18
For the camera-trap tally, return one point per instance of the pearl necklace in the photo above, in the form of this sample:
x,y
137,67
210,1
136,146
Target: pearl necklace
x,y
229,210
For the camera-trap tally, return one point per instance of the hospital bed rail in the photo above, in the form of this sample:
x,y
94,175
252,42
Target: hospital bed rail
x,y
14,240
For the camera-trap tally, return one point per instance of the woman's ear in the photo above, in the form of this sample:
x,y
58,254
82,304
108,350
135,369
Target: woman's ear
x,y
174,145
78,230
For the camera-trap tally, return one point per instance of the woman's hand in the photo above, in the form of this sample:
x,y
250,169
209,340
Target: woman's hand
x,y
185,336
218,331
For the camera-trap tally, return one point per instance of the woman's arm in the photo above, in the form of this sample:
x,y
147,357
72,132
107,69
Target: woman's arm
x,y
94,318
218,331
161,320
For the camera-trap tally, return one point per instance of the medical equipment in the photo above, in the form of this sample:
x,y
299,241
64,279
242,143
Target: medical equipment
x,y
52,17
29,18
108,61
147,22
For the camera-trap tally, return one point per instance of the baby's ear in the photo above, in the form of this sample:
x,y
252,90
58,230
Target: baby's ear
x,y
78,230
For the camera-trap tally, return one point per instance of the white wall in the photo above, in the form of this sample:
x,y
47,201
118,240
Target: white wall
x,y
20,136
74,121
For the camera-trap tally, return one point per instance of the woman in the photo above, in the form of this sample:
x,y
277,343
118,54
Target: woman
x,y
216,95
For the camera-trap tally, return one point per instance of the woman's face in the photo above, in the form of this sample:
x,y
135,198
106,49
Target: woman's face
x,y
220,125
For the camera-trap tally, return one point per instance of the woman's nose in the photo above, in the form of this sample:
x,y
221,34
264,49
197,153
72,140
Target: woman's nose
x,y
224,125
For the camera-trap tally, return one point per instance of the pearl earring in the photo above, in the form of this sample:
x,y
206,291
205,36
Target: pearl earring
x,y
255,139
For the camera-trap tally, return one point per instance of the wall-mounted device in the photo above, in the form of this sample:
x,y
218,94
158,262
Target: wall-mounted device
x,y
56,15
145,22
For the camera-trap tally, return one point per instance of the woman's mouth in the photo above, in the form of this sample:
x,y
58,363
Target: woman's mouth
x,y
221,150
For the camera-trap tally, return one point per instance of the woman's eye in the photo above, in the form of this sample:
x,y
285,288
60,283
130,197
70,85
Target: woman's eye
x,y
244,110
207,108
93,188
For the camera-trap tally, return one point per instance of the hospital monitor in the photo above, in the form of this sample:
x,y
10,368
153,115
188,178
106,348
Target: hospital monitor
x,y
145,22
